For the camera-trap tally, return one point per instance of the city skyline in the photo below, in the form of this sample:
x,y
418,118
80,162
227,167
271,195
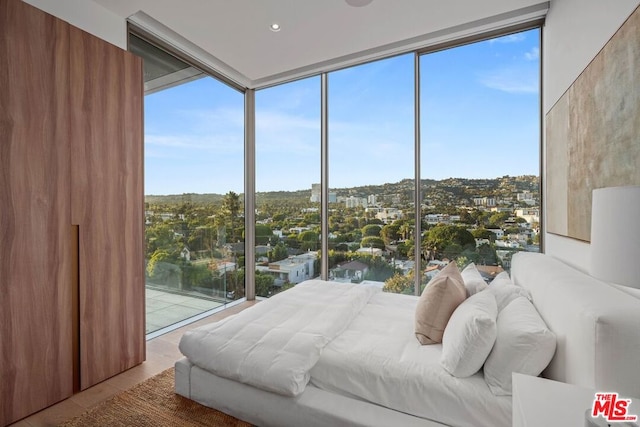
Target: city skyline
x,y
477,121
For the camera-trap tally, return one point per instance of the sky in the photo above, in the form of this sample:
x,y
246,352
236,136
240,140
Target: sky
x,y
479,119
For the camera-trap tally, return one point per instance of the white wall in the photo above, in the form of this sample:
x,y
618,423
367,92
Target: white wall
x,y
575,31
88,16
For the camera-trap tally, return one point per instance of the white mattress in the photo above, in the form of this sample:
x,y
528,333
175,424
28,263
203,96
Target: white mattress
x,y
378,359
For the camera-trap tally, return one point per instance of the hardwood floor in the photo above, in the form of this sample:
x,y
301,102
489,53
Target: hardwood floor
x,y
162,352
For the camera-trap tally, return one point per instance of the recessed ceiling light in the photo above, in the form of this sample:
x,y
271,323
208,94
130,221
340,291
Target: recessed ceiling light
x,y
274,27
358,3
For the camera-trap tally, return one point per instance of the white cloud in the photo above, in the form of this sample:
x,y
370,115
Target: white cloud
x,y
218,131
284,133
533,54
511,38
512,80
216,143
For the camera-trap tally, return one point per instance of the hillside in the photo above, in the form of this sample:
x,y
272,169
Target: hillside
x,y
437,191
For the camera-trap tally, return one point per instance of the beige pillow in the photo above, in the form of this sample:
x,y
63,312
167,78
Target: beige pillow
x,y
438,301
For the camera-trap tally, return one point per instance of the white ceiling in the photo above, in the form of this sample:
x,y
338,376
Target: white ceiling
x,y
317,35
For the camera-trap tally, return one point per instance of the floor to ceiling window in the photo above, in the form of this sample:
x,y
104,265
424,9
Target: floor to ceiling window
x,y
479,181
480,152
194,179
371,171
287,185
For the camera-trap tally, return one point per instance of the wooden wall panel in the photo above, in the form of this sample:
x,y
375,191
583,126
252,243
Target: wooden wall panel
x,y
35,240
107,204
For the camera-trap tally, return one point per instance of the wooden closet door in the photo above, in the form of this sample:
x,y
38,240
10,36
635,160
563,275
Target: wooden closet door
x,y
36,360
107,204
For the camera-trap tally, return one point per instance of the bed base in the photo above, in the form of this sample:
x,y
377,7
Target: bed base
x,y
313,408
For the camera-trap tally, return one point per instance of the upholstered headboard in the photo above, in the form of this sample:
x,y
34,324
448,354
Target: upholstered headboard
x,y
596,324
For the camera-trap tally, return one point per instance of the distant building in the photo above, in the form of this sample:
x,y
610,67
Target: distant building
x,y
404,265
501,209
526,197
298,230
373,209
370,251
315,193
484,201
224,266
507,244
353,271
530,215
355,202
433,219
388,215
294,269
433,267
480,242
498,232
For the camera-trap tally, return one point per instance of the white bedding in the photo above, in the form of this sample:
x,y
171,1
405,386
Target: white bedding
x,y
275,349
378,359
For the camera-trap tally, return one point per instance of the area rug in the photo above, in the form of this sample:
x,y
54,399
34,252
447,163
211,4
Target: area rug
x,y
153,403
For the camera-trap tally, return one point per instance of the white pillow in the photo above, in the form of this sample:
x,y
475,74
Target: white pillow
x,y
524,344
473,280
505,291
469,335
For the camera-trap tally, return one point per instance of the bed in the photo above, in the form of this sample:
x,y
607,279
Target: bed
x,y
335,354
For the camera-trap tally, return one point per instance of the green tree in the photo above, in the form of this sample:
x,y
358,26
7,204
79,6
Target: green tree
x,y
263,234
371,230
312,218
452,251
405,230
308,240
264,283
389,232
159,236
279,252
279,217
164,268
292,241
372,242
400,284
196,275
483,233
230,212
449,239
498,219
487,255
158,257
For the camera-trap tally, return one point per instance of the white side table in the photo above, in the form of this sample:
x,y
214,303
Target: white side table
x,y
541,402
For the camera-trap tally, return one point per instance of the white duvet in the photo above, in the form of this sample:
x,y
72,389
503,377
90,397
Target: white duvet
x,y
272,349
378,359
